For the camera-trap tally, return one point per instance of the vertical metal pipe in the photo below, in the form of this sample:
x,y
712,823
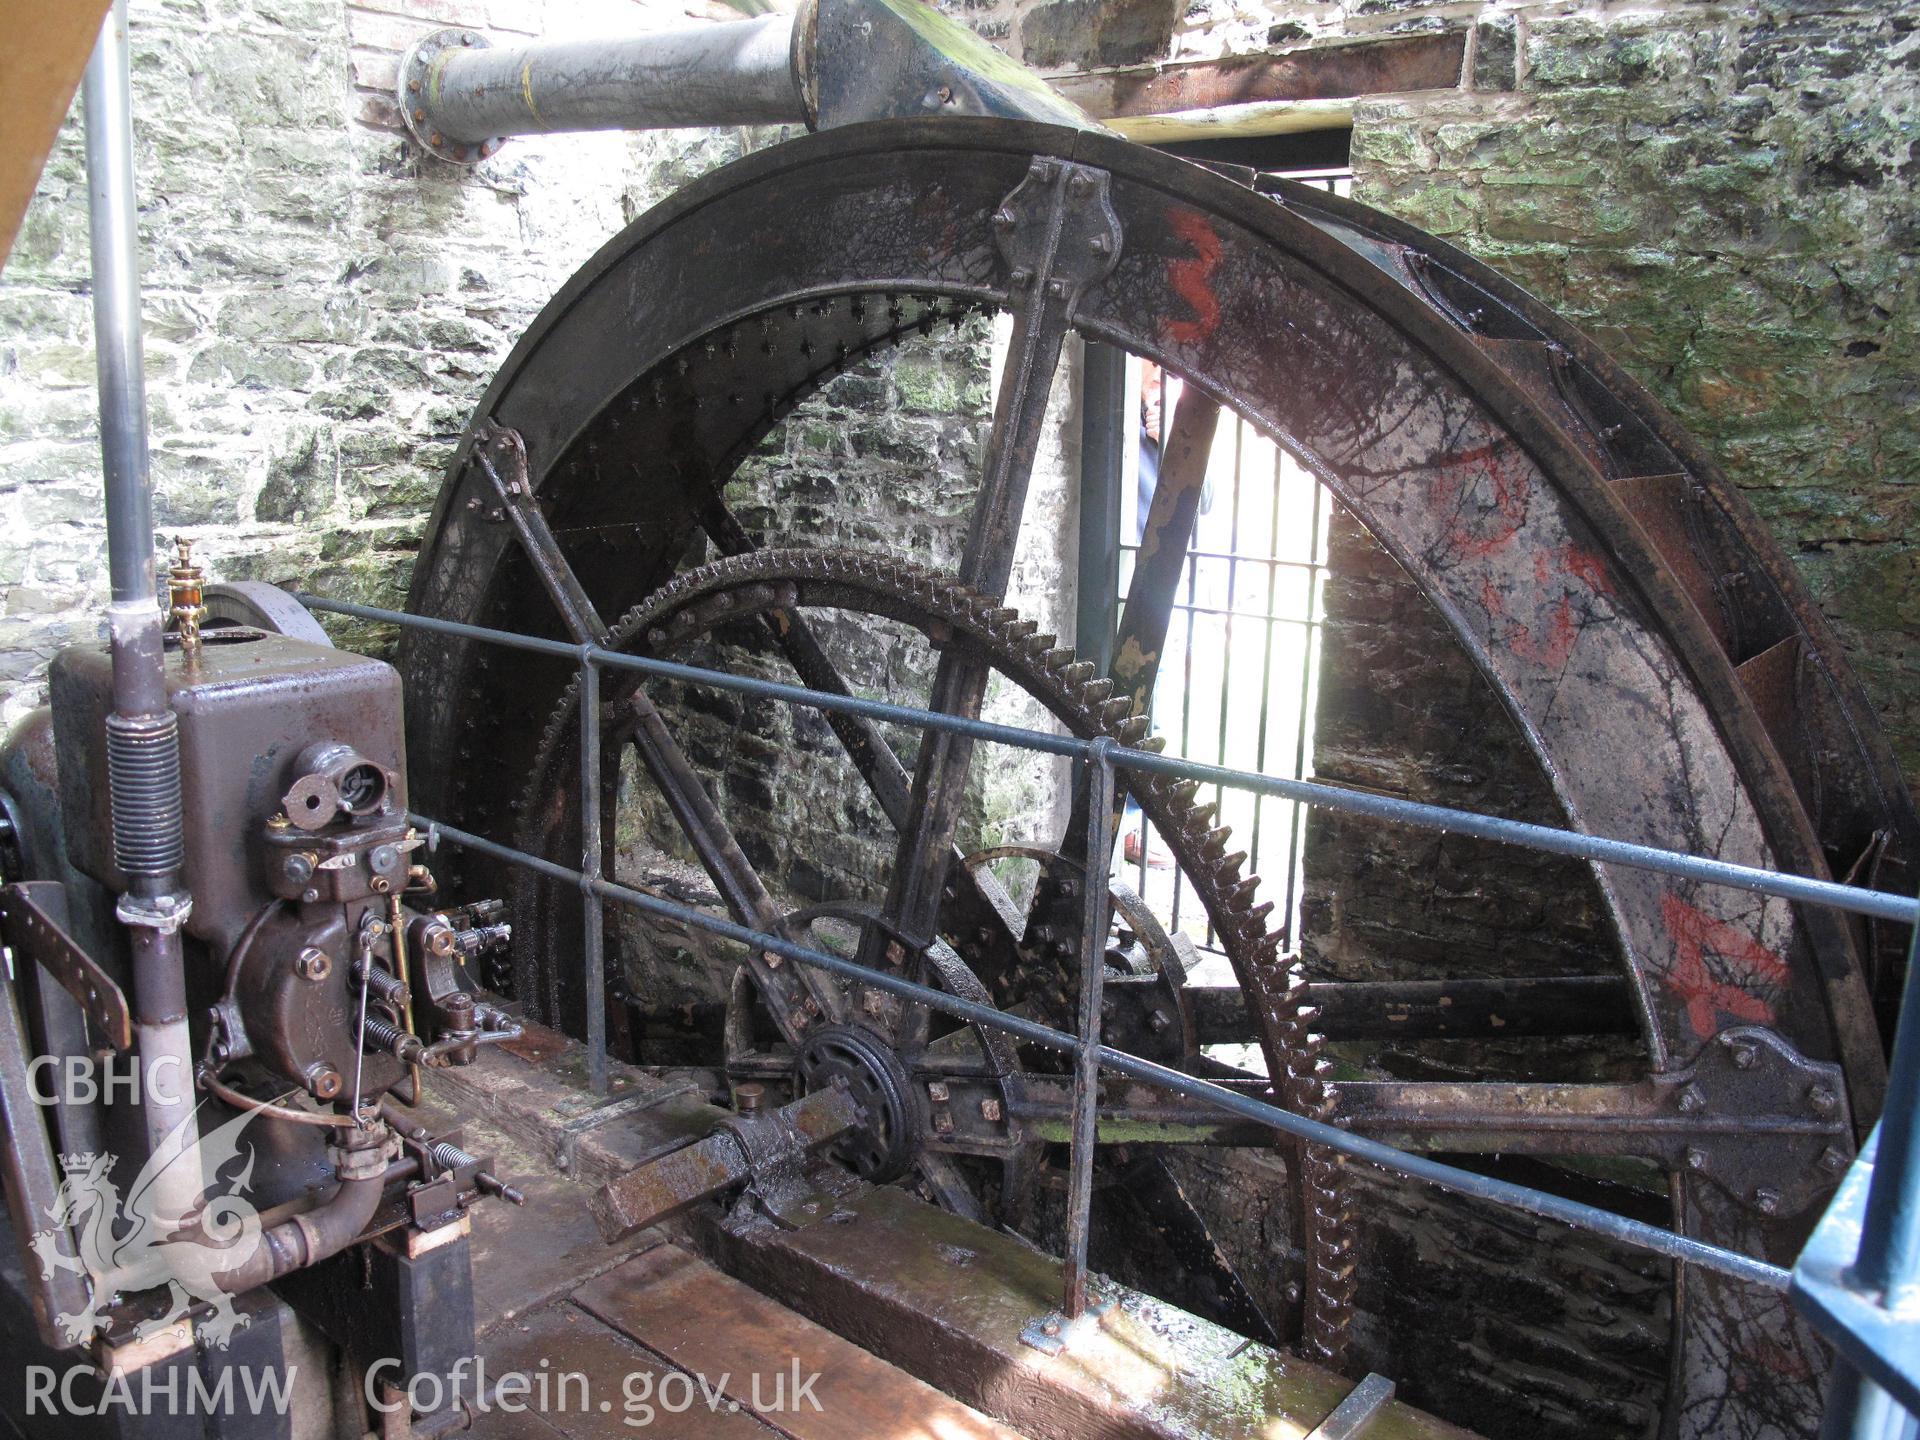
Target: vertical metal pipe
x,y
1086,1055
1889,1258
1858,1409
108,105
594,948
1104,433
143,746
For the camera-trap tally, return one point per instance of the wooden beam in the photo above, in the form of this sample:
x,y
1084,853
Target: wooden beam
x,y
40,65
1276,82
948,1300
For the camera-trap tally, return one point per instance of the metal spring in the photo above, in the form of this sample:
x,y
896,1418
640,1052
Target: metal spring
x,y
449,1156
143,783
382,1036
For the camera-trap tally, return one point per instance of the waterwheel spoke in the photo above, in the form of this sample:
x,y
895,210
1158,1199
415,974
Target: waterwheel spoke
x,y
791,992
923,860
978,906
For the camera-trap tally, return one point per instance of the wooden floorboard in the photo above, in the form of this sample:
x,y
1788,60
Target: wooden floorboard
x,y
682,1308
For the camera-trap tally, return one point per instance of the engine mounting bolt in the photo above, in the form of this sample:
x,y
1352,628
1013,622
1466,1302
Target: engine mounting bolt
x,y
1833,1159
313,963
1766,1201
1823,1100
1691,1100
1696,1158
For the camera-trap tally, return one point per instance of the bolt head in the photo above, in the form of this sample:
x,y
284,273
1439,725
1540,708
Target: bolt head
x,y
1051,1327
1696,1158
1691,1100
1823,1100
1833,1159
1745,1057
1766,1201
313,964
323,1081
990,1109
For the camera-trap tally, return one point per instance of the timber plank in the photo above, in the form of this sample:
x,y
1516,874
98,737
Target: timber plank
x,y
680,1307
563,1340
947,1300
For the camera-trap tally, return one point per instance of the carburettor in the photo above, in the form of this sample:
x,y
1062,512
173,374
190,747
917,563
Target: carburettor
x,y
298,858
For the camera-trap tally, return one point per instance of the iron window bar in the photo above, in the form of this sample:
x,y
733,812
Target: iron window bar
x,y
1102,756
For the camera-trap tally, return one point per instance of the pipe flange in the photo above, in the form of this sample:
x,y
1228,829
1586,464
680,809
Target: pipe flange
x,y
412,88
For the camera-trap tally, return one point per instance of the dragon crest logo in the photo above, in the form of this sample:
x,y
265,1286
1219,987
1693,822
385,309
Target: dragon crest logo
x,y
124,1245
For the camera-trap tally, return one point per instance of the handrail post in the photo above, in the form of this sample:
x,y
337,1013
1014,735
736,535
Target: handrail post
x,y
593,947
1086,1054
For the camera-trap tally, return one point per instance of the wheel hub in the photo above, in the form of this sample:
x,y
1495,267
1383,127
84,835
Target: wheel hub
x,y
885,1148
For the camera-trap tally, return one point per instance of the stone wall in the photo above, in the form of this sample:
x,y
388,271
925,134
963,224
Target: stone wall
x,y
323,304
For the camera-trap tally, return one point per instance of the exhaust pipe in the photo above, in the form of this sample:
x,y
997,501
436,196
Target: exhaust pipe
x,y
143,740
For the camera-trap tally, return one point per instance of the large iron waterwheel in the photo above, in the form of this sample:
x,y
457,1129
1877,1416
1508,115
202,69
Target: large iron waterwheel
x,y
1656,653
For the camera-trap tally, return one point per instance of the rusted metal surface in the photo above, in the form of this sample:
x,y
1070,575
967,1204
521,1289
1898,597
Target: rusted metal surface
x,y
765,1150
1493,474
1383,66
32,916
1433,1009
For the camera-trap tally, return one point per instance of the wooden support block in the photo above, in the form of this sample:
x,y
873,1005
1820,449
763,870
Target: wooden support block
x,y
947,1300
680,1307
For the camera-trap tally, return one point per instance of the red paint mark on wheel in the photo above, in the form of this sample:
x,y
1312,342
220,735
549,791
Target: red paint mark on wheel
x,y
1476,529
1192,278
1717,968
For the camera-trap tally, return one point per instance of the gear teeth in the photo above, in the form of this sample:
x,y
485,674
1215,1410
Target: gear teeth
x,y
1277,993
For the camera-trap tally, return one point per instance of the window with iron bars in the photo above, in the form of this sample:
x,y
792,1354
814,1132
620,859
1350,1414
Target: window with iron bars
x,y
1240,670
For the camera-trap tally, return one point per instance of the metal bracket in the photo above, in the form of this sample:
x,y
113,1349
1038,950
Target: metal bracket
x,y
1053,1333
32,916
1057,229
1355,1415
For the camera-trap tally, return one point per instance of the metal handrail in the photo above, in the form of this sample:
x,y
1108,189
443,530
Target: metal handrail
x,y
1880,905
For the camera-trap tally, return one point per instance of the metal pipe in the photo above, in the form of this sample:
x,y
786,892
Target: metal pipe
x,y
1086,1055
1461,1182
1900,909
1889,1257
741,72
143,742
593,949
